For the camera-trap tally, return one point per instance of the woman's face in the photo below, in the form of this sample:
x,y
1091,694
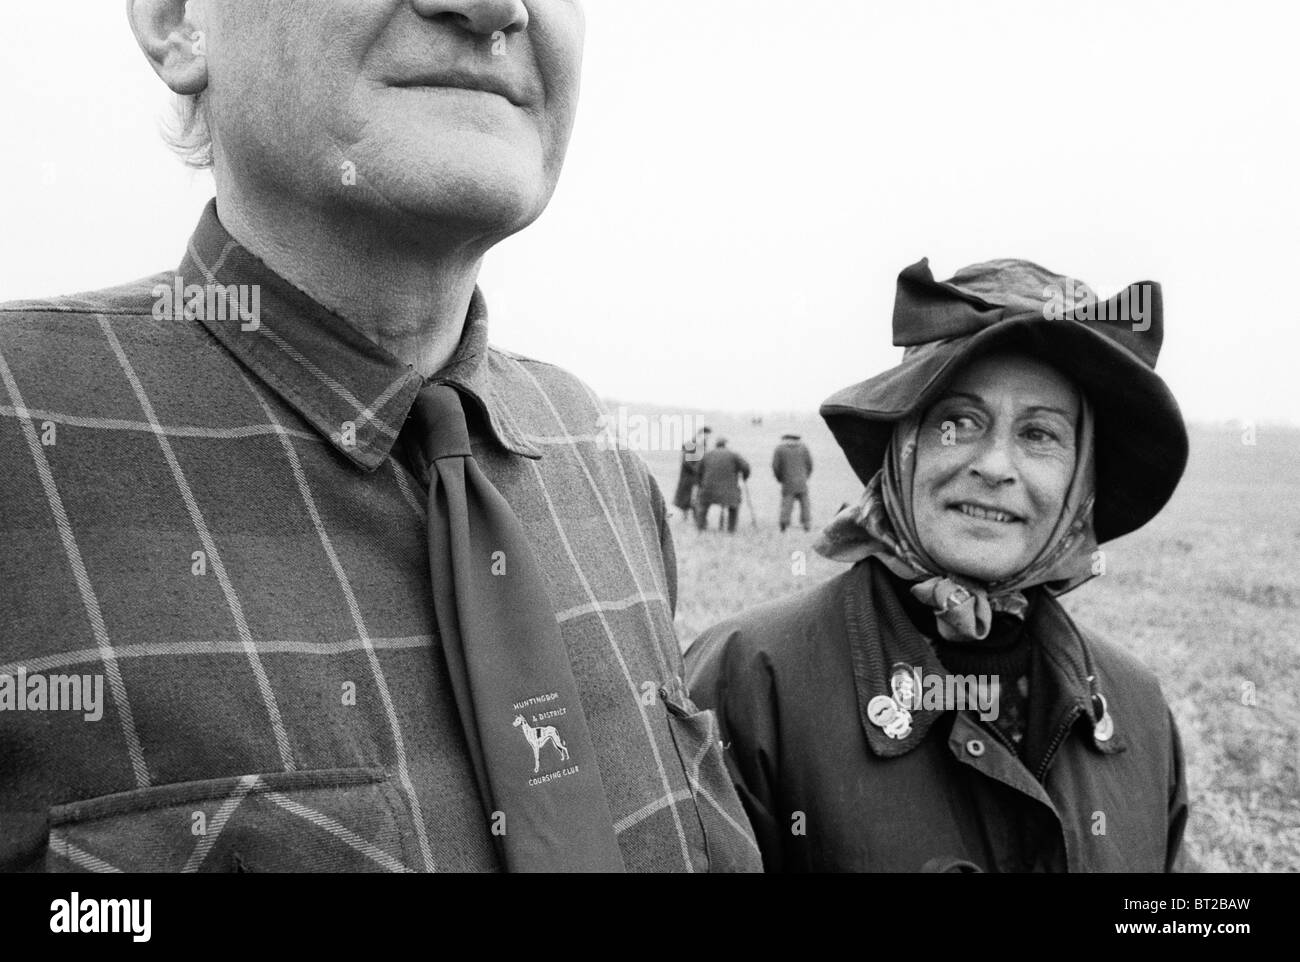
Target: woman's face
x,y
993,464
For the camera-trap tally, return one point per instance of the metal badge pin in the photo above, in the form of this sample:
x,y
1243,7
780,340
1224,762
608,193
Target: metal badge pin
x,y
1104,727
881,710
888,715
901,726
903,684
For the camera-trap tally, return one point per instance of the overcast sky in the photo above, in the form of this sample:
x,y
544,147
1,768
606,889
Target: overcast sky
x,y
748,178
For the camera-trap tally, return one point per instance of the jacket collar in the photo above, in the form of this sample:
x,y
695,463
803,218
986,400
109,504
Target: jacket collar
x,y
883,639
353,391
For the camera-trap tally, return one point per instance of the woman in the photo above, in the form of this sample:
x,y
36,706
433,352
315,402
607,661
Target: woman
x,y
934,708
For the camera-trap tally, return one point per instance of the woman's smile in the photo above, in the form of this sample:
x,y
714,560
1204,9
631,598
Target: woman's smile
x,y
980,512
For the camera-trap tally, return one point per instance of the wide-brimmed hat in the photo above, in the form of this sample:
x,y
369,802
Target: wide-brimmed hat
x,y
1107,348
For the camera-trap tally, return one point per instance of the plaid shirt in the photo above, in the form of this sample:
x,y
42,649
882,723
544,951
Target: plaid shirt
x,y
208,516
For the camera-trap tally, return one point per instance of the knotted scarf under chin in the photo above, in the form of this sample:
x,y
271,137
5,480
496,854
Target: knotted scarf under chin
x,y
882,525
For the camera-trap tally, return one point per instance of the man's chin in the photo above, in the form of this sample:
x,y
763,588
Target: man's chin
x,y
449,172
456,192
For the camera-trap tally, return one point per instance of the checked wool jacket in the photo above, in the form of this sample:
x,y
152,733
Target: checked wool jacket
x,y
206,510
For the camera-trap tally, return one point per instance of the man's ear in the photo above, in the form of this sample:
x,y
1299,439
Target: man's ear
x,y
173,41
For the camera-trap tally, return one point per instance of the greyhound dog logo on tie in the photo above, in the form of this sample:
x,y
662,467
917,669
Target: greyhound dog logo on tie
x,y
537,737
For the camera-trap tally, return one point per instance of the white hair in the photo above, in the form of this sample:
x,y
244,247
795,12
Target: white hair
x,y
187,133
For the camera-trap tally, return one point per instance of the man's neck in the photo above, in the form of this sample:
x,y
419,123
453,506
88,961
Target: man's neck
x,y
408,293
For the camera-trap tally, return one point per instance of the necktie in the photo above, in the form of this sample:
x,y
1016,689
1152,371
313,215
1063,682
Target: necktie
x,y
510,672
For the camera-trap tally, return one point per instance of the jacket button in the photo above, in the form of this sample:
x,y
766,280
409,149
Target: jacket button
x,y
975,748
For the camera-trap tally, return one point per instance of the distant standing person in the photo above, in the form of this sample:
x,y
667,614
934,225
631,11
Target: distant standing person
x,y
689,479
792,464
720,471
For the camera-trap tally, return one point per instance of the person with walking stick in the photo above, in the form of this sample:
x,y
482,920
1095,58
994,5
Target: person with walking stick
x,y
720,471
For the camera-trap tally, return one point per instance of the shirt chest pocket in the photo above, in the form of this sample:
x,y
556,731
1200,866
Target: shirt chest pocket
x,y
728,837
327,820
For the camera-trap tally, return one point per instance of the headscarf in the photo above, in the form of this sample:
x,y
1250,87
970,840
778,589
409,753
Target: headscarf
x,y
882,525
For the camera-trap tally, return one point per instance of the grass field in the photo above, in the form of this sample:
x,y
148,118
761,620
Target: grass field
x,y
1207,595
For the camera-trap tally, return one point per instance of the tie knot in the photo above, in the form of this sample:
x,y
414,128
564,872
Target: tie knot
x,y
440,420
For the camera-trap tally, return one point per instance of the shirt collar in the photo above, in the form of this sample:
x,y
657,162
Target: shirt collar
x,y
354,392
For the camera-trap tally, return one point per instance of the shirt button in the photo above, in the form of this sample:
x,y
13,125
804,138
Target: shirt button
x,y
975,748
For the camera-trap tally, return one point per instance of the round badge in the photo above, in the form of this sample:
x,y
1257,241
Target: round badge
x,y
901,726
904,688
882,710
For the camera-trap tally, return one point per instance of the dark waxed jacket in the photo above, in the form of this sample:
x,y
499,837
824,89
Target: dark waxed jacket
x,y
684,496
719,470
827,790
792,464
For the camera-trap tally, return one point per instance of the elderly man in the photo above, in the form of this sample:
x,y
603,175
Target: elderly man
x,y
792,466
356,591
720,473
